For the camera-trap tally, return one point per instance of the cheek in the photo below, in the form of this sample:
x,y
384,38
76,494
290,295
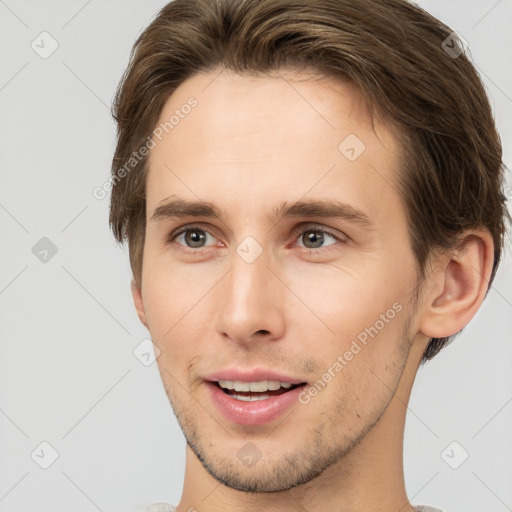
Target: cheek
x,y
178,307
346,305
357,332
171,292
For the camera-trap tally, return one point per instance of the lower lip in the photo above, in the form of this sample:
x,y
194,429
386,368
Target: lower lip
x,y
257,412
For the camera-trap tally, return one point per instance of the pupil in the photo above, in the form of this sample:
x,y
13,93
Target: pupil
x,y
313,237
195,238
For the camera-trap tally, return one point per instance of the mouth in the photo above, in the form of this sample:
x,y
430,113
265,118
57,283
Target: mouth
x,y
255,391
254,403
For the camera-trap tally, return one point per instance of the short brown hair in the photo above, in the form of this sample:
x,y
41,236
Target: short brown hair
x,y
451,173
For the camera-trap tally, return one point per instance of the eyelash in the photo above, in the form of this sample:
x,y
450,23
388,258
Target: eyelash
x,y
299,231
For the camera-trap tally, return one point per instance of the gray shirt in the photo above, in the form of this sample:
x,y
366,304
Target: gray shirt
x,y
165,507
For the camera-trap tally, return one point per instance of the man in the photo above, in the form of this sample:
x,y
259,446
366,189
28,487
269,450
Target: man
x,y
311,194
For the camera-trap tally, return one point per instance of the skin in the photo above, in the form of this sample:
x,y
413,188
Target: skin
x,y
249,145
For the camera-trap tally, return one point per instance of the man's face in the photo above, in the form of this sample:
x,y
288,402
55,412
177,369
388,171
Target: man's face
x,y
256,290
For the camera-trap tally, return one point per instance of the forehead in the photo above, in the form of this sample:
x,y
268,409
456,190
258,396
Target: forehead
x,y
300,132
233,105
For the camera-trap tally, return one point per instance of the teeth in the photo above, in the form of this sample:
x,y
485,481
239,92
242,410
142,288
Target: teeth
x,y
251,398
260,386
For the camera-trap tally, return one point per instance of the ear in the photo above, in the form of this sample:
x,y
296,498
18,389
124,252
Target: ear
x,y
139,304
459,285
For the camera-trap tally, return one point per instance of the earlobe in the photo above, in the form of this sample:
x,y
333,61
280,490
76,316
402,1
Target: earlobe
x,y
139,304
460,285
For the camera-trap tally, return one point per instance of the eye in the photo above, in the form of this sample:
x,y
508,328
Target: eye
x,y
314,238
192,237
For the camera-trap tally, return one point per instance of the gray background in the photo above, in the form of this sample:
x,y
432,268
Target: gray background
x,y
68,328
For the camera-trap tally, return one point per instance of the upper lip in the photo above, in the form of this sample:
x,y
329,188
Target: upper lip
x,y
254,375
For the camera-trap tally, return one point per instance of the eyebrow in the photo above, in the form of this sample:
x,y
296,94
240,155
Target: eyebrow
x,y
325,208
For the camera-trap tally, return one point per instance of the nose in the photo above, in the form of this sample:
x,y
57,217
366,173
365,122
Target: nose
x,y
251,302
